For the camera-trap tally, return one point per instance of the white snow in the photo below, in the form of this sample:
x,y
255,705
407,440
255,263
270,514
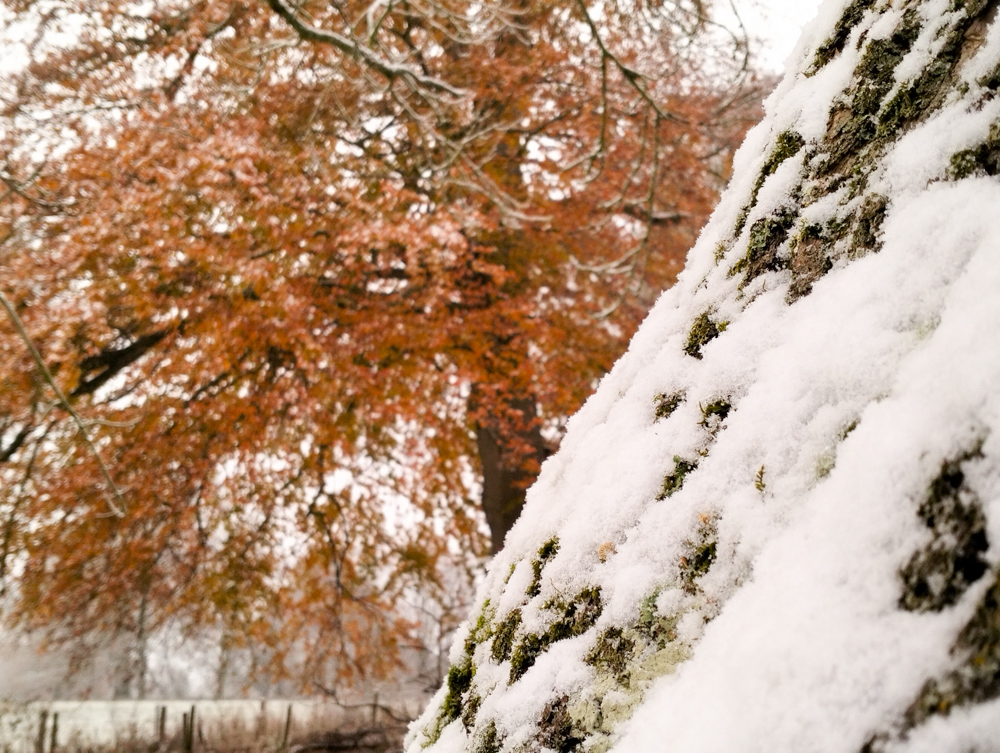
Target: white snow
x,y
796,638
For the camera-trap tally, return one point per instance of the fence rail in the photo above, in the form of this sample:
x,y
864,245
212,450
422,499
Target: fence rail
x,y
187,726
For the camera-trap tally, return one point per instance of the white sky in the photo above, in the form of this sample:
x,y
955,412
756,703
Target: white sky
x,y
777,23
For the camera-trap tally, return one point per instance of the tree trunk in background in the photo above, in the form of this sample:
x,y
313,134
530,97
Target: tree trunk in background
x,y
506,477
505,483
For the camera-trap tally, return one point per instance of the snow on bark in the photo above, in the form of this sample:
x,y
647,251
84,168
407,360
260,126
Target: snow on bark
x,y
775,525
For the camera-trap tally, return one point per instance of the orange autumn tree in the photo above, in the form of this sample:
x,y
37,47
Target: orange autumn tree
x,y
313,287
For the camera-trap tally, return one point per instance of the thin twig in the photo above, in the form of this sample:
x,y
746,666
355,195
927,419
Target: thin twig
x,y
22,331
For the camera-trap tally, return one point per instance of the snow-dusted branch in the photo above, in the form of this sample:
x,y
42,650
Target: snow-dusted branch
x,y
351,47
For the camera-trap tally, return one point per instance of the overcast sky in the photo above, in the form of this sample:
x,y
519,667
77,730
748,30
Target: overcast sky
x,y
778,24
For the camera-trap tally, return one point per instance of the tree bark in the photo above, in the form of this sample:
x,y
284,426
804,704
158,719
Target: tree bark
x,y
505,482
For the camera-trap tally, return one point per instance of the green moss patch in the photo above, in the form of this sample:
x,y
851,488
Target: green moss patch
x,y
674,480
612,654
655,628
938,574
510,573
875,70
547,552
787,145
459,701
714,413
487,740
703,331
458,683
836,42
626,660
481,630
503,637
469,710
524,655
700,555
616,648
576,617
664,405
981,160
928,91
766,238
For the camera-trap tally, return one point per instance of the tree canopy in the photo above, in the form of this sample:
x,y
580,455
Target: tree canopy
x,y
311,285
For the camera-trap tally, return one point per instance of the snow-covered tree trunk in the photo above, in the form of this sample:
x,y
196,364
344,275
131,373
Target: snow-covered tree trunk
x,y
776,526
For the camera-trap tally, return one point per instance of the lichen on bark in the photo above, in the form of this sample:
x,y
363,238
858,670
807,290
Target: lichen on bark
x,y
874,111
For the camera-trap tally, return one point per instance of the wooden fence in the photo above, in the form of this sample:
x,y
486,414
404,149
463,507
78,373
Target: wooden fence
x,y
271,725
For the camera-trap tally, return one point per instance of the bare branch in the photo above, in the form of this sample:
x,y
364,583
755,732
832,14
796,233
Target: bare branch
x,y
15,445
22,331
110,362
631,75
391,70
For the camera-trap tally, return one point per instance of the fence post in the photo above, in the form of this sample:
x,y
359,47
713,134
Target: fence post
x,y
374,708
54,740
161,723
43,719
288,728
191,723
